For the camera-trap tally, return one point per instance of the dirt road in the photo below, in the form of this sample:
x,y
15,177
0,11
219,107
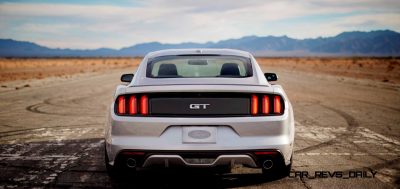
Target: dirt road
x,y
51,135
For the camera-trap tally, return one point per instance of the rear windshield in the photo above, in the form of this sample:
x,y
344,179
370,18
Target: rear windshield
x,y
199,66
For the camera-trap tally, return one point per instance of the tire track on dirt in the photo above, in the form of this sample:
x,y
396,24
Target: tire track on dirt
x,y
50,102
379,105
352,124
352,127
36,108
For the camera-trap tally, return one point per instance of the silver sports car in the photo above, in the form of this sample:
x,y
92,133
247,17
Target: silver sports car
x,y
199,108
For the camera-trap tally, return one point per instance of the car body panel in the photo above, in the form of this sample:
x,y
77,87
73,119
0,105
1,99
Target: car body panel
x,y
143,133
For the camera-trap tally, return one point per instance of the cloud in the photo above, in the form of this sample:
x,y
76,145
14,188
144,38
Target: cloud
x,y
92,26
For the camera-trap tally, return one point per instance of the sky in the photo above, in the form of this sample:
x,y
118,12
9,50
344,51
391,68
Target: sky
x,y
116,24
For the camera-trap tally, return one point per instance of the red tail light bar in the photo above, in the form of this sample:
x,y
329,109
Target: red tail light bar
x,y
128,105
144,105
254,105
132,105
265,104
270,105
121,105
277,105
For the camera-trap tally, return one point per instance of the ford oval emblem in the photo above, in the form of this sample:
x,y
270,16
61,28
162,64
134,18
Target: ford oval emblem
x,y
199,134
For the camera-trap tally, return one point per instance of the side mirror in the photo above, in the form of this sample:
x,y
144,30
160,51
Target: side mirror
x,y
126,77
271,76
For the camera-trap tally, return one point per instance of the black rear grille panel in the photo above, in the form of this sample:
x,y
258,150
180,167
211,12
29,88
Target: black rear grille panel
x,y
199,104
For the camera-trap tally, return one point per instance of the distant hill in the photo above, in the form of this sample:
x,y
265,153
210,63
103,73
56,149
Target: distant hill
x,y
356,43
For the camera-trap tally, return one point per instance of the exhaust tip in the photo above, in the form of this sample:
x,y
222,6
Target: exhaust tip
x,y
131,163
268,164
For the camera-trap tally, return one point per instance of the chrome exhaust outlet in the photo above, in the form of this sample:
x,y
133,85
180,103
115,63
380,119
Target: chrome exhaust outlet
x,y
131,163
268,164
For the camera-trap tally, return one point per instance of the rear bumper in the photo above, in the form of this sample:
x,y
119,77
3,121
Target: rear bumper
x,y
163,138
198,159
175,155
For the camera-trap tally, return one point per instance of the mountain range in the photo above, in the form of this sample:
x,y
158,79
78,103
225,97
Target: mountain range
x,y
354,43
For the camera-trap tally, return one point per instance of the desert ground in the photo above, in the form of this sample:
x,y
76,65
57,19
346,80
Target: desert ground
x,y
377,69
347,113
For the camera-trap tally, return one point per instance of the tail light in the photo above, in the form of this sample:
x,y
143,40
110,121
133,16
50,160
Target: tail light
x,y
277,105
270,105
144,105
254,105
121,105
266,153
132,105
265,104
132,153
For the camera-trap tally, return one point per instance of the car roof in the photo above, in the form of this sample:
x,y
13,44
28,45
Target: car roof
x,y
199,51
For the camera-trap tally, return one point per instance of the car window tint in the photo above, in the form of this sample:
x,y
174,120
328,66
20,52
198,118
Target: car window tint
x,y
199,66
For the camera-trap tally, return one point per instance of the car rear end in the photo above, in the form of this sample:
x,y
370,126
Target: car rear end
x,y
200,122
